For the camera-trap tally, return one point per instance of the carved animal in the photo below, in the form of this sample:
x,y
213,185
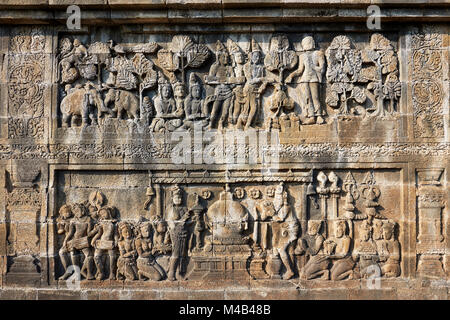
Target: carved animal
x,y
81,103
123,101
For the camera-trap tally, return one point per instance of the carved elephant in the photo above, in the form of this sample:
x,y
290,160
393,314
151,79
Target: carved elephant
x,y
123,101
81,102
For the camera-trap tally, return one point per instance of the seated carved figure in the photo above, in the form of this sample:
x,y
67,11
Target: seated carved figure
x,y
279,108
312,245
389,251
147,266
338,248
126,264
194,105
168,117
365,252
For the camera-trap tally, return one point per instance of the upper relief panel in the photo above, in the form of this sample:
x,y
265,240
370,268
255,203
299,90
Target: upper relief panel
x,y
310,88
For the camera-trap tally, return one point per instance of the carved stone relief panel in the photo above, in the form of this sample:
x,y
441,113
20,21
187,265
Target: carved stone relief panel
x,y
427,68
294,83
331,225
27,82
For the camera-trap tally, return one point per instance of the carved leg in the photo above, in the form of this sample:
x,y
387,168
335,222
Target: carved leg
x,y
173,264
225,110
252,112
88,263
214,113
98,264
112,265
284,256
63,255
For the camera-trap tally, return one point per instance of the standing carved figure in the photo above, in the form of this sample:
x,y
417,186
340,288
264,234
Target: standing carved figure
x,y
146,262
104,242
63,224
80,229
220,74
177,218
311,67
254,87
285,232
126,264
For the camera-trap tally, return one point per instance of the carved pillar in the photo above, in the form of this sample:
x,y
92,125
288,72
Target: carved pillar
x,y
23,211
430,246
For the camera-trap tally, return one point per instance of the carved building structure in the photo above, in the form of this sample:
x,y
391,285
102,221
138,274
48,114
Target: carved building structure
x,y
218,151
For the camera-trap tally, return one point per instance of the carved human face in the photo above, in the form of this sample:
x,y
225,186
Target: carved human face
x,y
104,214
65,212
223,59
126,233
76,42
166,91
308,43
340,230
255,57
270,192
177,199
239,58
365,234
239,192
145,230
388,232
377,230
313,228
179,91
78,211
196,92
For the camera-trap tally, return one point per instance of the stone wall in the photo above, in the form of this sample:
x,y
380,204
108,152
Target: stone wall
x,y
175,149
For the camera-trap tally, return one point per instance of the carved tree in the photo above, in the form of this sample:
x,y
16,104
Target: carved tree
x,y
148,76
183,53
344,69
280,58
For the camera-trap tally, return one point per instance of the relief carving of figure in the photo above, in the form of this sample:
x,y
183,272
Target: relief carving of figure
x,y
63,224
147,266
105,241
126,264
254,87
285,230
177,219
279,107
77,240
311,68
338,250
389,250
194,105
312,245
365,252
221,74
168,116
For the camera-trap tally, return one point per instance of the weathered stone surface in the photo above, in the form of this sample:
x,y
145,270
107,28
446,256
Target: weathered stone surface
x,y
183,150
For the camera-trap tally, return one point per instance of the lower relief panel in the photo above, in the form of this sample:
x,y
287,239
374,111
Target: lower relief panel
x,y
152,226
